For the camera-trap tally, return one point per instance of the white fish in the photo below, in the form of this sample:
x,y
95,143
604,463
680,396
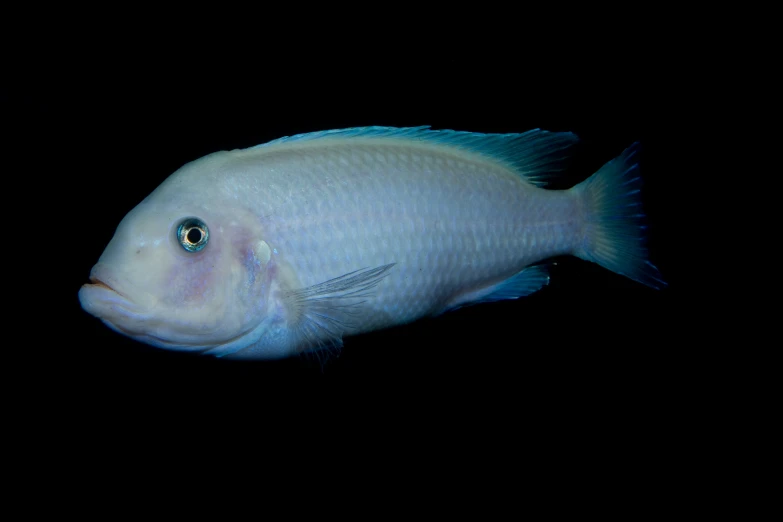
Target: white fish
x,y
289,246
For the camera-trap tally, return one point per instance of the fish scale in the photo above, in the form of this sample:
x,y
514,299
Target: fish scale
x,y
323,235
408,204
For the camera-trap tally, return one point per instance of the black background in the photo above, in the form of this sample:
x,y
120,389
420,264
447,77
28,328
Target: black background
x,y
593,347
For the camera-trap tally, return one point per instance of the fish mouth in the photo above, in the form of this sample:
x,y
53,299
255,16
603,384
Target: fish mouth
x,y
98,283
103,300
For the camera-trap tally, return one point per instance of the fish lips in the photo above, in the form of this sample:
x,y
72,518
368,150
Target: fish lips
x,y
102,298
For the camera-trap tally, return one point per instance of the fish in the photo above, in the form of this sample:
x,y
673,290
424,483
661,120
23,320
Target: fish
x,y
290,246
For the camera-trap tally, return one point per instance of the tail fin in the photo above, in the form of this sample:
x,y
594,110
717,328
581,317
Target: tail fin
x,y
614,230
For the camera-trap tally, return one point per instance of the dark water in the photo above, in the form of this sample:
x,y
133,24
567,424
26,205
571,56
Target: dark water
x,y
592,347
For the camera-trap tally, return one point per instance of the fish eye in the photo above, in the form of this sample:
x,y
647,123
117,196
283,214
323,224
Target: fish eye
x,y
192,234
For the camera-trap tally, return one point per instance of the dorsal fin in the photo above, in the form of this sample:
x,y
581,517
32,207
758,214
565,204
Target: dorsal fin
x,y
533,154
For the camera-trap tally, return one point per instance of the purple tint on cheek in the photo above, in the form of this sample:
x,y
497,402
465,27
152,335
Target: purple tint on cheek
x,y
192,282
252,265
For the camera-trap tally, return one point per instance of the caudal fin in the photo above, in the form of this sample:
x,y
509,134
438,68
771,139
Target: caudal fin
x,y
614,230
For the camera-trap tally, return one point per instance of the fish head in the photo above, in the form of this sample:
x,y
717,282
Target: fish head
x,y
183,273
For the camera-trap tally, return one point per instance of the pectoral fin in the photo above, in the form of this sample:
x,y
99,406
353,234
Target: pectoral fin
x,y
323,313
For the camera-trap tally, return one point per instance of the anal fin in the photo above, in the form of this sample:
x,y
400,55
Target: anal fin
x,y
525,282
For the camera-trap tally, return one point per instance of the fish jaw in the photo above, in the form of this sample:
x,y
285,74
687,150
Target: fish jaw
x,y
112,307
125,317
107,299
104,298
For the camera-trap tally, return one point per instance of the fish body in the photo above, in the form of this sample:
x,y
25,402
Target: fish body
x,y
292,245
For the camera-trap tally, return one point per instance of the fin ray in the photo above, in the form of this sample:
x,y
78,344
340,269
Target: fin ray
x,y
615,230
525,282
324,312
